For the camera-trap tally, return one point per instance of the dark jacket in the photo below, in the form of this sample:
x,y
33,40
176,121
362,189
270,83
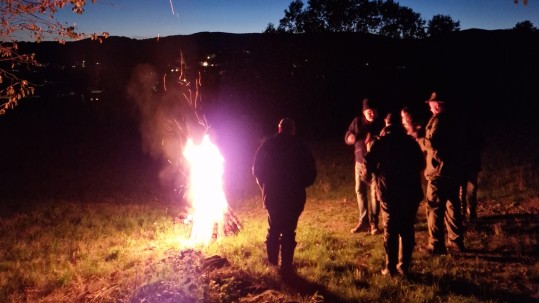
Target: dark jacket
x,y
396,161
444,144
283,167
365,133
474,146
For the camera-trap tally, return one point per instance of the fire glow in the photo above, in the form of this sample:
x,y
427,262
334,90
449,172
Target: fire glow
x,y
206,194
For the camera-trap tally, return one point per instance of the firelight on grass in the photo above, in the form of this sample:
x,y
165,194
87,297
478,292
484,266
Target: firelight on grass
x,y
206,194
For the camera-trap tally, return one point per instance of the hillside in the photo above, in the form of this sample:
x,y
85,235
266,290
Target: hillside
x,y
248,83
323,74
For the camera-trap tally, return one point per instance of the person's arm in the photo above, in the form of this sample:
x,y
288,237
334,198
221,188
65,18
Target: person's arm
x,y
259,165
350,135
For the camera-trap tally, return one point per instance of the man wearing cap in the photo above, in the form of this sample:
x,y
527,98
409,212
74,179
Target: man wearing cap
x,y
443,145
283,167
362,131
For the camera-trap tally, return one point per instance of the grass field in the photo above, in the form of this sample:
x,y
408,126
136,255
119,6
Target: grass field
x,y
128,246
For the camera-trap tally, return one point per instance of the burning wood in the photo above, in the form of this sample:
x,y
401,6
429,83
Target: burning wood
x,y
212,215
230,225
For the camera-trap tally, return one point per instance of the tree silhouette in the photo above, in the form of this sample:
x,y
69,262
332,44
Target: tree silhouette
x,y
32,20
292,22
386,18
525,26
399,22
442,24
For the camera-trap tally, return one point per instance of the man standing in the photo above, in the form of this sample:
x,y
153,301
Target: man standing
x,y
470,184
395,161
283,167
362,131
443,144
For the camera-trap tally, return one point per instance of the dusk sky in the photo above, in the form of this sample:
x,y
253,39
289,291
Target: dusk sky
x,y
142,19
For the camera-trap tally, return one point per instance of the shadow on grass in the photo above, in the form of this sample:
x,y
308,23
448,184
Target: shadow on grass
x,y
306,288
450,286
504,227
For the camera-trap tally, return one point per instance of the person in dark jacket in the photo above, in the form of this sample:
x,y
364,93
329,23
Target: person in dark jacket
x,y
470,183
361,132
396,162
283,167
443,144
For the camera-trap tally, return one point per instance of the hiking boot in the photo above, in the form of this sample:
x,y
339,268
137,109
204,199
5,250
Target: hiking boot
x,y
359,228
387,272
287,270
374,230
402,273
456,246
436,251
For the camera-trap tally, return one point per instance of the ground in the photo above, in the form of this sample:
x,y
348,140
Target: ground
x,y
215,279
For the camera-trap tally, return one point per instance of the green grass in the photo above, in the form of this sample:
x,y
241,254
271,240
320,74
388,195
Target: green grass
x,y
106,252
126,249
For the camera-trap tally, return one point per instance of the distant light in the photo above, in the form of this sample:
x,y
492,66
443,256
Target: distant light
x,y
205,63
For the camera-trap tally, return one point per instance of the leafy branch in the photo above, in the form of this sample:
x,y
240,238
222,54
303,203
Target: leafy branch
x,y
32,20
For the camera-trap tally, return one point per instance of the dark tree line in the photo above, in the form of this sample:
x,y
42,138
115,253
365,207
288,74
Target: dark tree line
x,y
385,18
525,26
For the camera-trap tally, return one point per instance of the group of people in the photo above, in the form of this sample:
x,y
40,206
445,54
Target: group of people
x,y
393,162
393,157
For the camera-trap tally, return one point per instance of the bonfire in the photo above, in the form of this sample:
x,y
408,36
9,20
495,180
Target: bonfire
x,y
211,215
202,166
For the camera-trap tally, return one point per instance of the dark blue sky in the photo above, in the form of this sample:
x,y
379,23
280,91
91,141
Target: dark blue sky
x,y
150,18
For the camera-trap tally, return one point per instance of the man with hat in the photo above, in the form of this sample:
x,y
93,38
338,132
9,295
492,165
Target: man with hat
x,y
362,131
443,143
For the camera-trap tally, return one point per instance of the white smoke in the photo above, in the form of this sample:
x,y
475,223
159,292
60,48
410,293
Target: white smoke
x,y
167,118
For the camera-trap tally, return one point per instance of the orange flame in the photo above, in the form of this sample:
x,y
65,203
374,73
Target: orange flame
x,y
206,192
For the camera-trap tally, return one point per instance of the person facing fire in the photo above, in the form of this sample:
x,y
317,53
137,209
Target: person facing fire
x,y
395,163
361,132
411,123
283,168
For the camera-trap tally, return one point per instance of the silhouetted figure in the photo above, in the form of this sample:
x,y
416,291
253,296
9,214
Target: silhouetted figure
x,y
283,167
473,149
395,162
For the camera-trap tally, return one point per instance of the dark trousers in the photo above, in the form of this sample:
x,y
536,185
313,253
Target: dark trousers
x,y
443,212
399,235
281,236
369,211
468,195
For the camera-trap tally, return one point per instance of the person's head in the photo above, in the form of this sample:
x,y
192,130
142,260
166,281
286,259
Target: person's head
x,y
407,119
369,111
389,118
287,125
392,123
436,102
